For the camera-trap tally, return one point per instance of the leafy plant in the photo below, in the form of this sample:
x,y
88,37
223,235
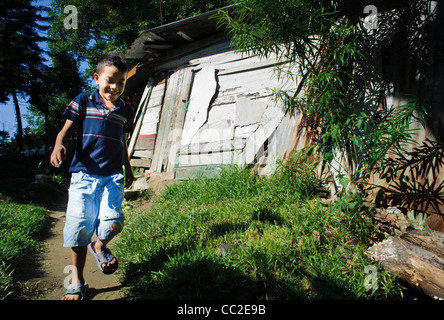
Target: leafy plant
x,y
298,174
6,281
20,227
290,246
320,45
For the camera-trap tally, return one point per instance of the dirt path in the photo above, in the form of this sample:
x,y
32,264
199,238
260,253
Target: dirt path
x,y
44,279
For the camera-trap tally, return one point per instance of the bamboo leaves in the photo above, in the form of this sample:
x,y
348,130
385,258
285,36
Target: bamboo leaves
x,y
325,42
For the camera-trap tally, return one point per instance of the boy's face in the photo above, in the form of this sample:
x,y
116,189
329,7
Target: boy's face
x,y
111,82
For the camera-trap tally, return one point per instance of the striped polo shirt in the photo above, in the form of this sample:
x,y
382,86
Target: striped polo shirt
x,y
100,139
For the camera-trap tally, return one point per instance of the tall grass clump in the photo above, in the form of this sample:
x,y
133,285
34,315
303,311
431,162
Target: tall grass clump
x,y
20,227
285,243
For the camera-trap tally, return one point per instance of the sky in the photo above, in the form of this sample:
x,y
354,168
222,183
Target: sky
x,y
8,120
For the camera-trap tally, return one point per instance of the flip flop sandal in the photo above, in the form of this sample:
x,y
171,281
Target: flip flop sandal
x,y
77,288
104,256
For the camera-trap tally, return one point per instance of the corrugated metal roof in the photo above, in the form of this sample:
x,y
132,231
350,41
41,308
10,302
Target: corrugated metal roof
x,y
153,44
173,35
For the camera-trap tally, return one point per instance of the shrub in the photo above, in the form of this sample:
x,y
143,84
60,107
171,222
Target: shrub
x,y
20,227
290,246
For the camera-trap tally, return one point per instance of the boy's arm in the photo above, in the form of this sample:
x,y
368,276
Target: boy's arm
x,y
59,152
129,176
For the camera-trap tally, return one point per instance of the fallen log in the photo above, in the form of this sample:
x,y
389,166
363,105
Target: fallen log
x,y
416,256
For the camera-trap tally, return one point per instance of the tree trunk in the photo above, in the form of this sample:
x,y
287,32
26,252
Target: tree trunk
x,y
47,141
19,121
417,257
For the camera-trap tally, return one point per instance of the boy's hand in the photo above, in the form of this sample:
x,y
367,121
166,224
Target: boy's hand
x,y
129,179
58,155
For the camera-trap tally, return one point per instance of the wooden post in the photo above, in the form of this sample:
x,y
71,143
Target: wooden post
x,y
171,120
417,257
140,115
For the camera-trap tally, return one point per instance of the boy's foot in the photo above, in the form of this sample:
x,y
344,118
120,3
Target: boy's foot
x,y
106,261
76,291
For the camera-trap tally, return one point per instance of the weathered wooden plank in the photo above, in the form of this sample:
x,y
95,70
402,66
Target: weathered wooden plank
x,y
233,62
231,95
214,158
150,123
203,91
214,132
140,163
139,121
270,119
253,84
145,144
152,112
157,94
182,55
145,154
254,65
219,146
219,126
245,131
146,93
218,58
172,119
149,128
225,112
249,111
250,84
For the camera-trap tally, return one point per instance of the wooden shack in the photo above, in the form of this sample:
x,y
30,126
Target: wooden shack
x,y
203,104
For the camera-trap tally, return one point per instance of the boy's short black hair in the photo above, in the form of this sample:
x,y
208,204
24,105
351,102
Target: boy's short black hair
x,y
112,58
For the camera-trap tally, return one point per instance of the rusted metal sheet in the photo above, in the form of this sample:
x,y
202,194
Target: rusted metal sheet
x,y
415,67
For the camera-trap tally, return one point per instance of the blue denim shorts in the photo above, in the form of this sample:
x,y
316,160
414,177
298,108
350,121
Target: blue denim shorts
x,y
95,204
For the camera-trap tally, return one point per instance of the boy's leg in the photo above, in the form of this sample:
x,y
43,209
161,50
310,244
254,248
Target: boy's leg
x,y
111,217
78,258
81,218
99,246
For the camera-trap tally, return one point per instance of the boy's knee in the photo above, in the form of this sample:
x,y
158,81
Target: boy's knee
x,y
108,229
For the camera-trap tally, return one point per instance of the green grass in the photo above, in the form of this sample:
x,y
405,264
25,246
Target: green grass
x,y
293,247
21,225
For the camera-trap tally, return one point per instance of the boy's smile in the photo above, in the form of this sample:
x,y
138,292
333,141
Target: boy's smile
x,y
111,83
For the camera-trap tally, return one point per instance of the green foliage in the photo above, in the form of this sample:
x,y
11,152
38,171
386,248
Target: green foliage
x,y
21,59
290,245
393,131
22,65
20,227
114,25
297,175
320,44
6,281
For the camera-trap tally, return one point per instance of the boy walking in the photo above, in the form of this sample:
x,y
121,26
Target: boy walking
x,y
97,181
